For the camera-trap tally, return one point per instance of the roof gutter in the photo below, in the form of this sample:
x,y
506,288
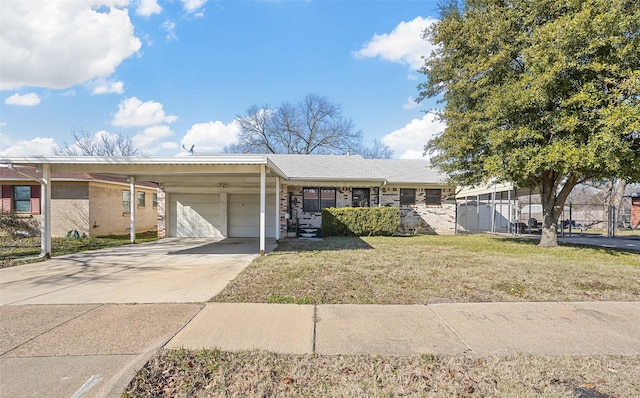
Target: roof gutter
x,y
11,167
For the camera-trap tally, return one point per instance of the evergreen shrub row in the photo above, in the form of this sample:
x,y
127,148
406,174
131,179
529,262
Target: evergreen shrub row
x,y
360,221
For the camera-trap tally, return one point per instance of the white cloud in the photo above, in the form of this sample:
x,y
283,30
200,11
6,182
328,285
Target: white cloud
x,y
410,104
168,145
106,86
403,45
192,6
409,141
170,28
149,141
57,44
211,137
30,99
147,8
39,146
133,112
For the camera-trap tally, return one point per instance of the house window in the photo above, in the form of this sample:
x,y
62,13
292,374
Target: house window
x,y
126,201
407,196
360,197
434,197
22,198
316,199
154,200
141,199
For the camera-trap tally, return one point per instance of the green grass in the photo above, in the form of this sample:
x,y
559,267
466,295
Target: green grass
x,y
434,269
15,251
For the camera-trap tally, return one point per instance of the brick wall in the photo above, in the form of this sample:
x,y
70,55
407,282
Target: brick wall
x,y
635,212
107,215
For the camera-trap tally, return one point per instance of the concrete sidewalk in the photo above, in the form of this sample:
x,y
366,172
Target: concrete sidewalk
x,y
619,242
586,328
86,350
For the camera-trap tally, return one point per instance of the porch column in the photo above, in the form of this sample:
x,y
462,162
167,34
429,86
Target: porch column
x,y
278,227
132,209
263,196
45,212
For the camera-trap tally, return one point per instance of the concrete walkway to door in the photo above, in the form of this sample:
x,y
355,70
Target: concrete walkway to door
x,y
175,270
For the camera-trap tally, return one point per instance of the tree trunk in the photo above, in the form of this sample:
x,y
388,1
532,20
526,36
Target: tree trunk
x,y
613,194
553,198
549,237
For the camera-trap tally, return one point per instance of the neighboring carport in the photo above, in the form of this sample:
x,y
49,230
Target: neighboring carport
x,y
198,196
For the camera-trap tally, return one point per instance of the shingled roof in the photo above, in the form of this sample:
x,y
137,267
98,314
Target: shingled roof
x,y
356,168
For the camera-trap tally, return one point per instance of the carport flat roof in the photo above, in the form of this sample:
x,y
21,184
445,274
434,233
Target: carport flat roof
x,y
143,165
290,167
147,160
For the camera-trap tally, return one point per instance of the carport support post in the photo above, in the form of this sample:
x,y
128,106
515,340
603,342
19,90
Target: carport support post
x,y
278,208
132,209
263,178
45,211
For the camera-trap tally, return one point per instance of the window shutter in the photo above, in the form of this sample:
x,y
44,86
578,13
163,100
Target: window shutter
x,y
35,199
6,198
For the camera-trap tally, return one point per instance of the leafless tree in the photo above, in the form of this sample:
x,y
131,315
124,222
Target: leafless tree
x,y
100,144
313,126
377,151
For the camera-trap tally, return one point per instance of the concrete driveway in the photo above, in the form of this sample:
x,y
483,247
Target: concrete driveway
x,y
81,325
165,271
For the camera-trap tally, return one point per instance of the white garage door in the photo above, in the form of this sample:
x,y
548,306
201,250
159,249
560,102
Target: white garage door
x,y
194,215
244,216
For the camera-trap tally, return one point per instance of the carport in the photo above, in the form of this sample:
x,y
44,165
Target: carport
x,y
215,196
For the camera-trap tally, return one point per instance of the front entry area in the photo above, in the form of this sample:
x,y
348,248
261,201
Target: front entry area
x,y
219,215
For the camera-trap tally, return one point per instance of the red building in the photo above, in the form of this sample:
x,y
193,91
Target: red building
x,y
635,210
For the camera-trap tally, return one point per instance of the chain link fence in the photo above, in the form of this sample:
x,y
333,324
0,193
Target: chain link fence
x,y
508,213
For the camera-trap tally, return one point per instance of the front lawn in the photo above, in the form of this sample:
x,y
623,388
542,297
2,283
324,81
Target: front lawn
x,y
434,269
411,270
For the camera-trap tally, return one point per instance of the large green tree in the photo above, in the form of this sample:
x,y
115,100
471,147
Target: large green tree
x,y
541,93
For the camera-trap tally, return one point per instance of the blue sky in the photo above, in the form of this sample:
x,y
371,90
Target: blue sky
x,y
178,72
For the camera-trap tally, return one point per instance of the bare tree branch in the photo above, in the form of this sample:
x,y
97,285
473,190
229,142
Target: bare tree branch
x,y
313,126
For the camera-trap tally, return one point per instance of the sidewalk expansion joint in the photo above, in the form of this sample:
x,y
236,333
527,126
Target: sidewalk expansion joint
x,y
452,330
164,344
315,323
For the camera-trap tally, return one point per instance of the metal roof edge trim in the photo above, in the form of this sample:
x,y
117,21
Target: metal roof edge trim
x,y
164,160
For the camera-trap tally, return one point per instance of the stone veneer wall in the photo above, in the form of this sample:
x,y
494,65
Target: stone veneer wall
x,y
417,219
162,214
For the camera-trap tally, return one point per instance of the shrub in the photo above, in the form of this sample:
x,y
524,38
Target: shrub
x,y
360,221
15,225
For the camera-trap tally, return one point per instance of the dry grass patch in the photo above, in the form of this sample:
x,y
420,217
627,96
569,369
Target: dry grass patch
x,y
434,269
182,373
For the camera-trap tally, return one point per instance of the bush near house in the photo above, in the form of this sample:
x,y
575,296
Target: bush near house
x,y
14,225
360,221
